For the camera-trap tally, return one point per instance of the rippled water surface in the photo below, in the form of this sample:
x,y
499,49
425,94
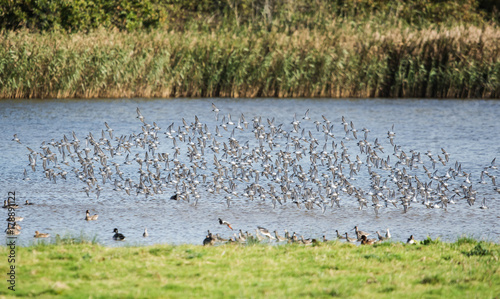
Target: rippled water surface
x,y
468,130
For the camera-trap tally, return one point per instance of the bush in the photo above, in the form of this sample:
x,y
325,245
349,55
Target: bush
x,y
83,15
478,250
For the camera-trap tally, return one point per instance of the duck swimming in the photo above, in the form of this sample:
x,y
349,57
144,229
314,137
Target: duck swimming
x,y
41,235
88,217
118,236
9,205
366,241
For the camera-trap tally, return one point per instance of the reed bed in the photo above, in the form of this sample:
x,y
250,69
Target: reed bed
x,y
341,60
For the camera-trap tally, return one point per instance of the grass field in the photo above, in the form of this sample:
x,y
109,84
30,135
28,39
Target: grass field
x,y
432,269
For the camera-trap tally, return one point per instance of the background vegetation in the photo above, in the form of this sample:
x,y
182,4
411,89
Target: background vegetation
x,y
464,269
250,48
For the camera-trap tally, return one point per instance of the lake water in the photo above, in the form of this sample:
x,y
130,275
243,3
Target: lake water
x,y
468,130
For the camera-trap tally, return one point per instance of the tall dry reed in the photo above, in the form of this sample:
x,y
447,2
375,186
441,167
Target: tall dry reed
x,y
371,60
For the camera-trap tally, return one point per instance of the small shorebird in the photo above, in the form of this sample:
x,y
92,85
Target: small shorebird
x,y
305,241
220,239
350,240
360,233
118,236
145,234
223,222
380,237
258,235
265,232
339,236
484,206
411,240
241,236
88,217
41,235
278,237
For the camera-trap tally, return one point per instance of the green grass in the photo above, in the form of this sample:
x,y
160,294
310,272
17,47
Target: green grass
x,y
334,269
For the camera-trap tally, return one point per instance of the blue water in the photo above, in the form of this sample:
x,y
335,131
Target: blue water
x,y
469,130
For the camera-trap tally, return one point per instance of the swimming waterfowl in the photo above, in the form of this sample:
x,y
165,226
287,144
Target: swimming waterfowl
x,y
15,219
93,217
366,241
209,240
12,231
41,235
9,205
145,234
411,240
223,222
118,236
27,203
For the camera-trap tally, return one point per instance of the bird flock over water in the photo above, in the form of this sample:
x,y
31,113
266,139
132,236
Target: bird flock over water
x,y
322,164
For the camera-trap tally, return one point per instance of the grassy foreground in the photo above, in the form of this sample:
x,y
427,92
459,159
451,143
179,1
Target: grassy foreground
x,y
464,269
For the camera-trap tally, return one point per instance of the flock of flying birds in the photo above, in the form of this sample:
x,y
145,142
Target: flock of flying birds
x,y
305,162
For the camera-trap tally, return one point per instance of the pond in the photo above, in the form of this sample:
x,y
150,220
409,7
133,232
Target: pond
x,y
423,168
